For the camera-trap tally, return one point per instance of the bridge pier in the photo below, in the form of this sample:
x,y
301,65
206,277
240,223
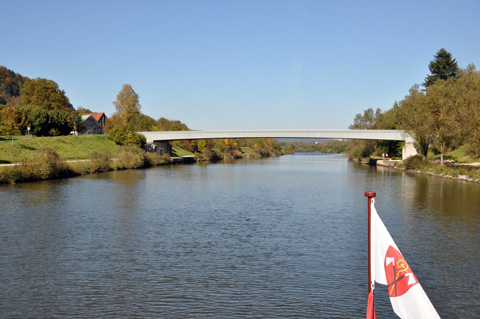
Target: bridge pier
x,y
408,150
162,147
158,147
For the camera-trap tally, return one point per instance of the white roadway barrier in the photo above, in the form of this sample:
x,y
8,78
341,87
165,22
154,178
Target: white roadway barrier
x,y
389,135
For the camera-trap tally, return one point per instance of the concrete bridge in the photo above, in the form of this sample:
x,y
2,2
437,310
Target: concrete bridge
x,y
161,139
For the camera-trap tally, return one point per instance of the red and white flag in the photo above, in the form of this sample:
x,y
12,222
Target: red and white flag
x,y
388,267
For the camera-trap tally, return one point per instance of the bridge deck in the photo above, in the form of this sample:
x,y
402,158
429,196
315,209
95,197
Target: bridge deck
x,y
390,135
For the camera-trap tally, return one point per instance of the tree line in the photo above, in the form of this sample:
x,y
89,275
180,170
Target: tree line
x,y
39,104
39,107
442,113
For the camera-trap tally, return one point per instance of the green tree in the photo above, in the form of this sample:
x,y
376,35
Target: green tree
x,y
389,120
467,89
433,117
202,145
365,121
414,115
164,124
45,94
443,123
46,122
127,104
443,67
143,122
81,110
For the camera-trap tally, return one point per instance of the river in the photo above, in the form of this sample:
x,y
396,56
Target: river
x,y
272,238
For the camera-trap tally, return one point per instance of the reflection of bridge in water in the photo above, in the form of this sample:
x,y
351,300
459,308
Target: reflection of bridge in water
x,y
161,139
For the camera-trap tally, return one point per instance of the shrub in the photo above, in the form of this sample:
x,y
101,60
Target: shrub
x,y
166,159
42,164
100,161
46,163
80,168
153,159
130,157
123,135
206,155
416,162
261,152
229,155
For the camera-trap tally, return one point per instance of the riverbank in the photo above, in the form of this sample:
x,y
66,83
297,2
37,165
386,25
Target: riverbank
x,y
40,158
469,172
46,163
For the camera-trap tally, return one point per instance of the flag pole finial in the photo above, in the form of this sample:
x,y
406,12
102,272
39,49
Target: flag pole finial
x,y
370,194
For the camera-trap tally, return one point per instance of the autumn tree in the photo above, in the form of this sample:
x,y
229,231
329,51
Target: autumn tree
x,y
112,121
127,104
45,94
443,67
11,121
228,143
10,85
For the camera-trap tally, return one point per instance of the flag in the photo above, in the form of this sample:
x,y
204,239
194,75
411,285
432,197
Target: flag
x,y
388,267
370,307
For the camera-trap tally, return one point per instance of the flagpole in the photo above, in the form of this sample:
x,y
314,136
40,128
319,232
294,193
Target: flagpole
x,y
370,195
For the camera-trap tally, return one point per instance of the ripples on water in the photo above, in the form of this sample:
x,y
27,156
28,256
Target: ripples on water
x,y
275,238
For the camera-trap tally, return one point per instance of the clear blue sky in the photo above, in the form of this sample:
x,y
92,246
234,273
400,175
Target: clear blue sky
x,y
244,64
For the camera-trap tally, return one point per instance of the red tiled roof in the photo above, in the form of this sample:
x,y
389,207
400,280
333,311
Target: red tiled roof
x,y
96,116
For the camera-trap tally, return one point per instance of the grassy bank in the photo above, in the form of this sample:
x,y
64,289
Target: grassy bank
x,y
453,169
67,156
459,164
67,147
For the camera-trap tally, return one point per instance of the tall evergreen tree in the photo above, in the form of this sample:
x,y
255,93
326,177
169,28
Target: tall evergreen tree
x,y
442,67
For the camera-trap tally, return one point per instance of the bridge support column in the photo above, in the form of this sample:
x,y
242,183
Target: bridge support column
x,y
408,150
162,148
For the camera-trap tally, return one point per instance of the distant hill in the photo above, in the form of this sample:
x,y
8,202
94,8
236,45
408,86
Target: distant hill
x,y
10,84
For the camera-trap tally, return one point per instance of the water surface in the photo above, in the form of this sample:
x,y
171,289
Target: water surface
x,y
273,238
